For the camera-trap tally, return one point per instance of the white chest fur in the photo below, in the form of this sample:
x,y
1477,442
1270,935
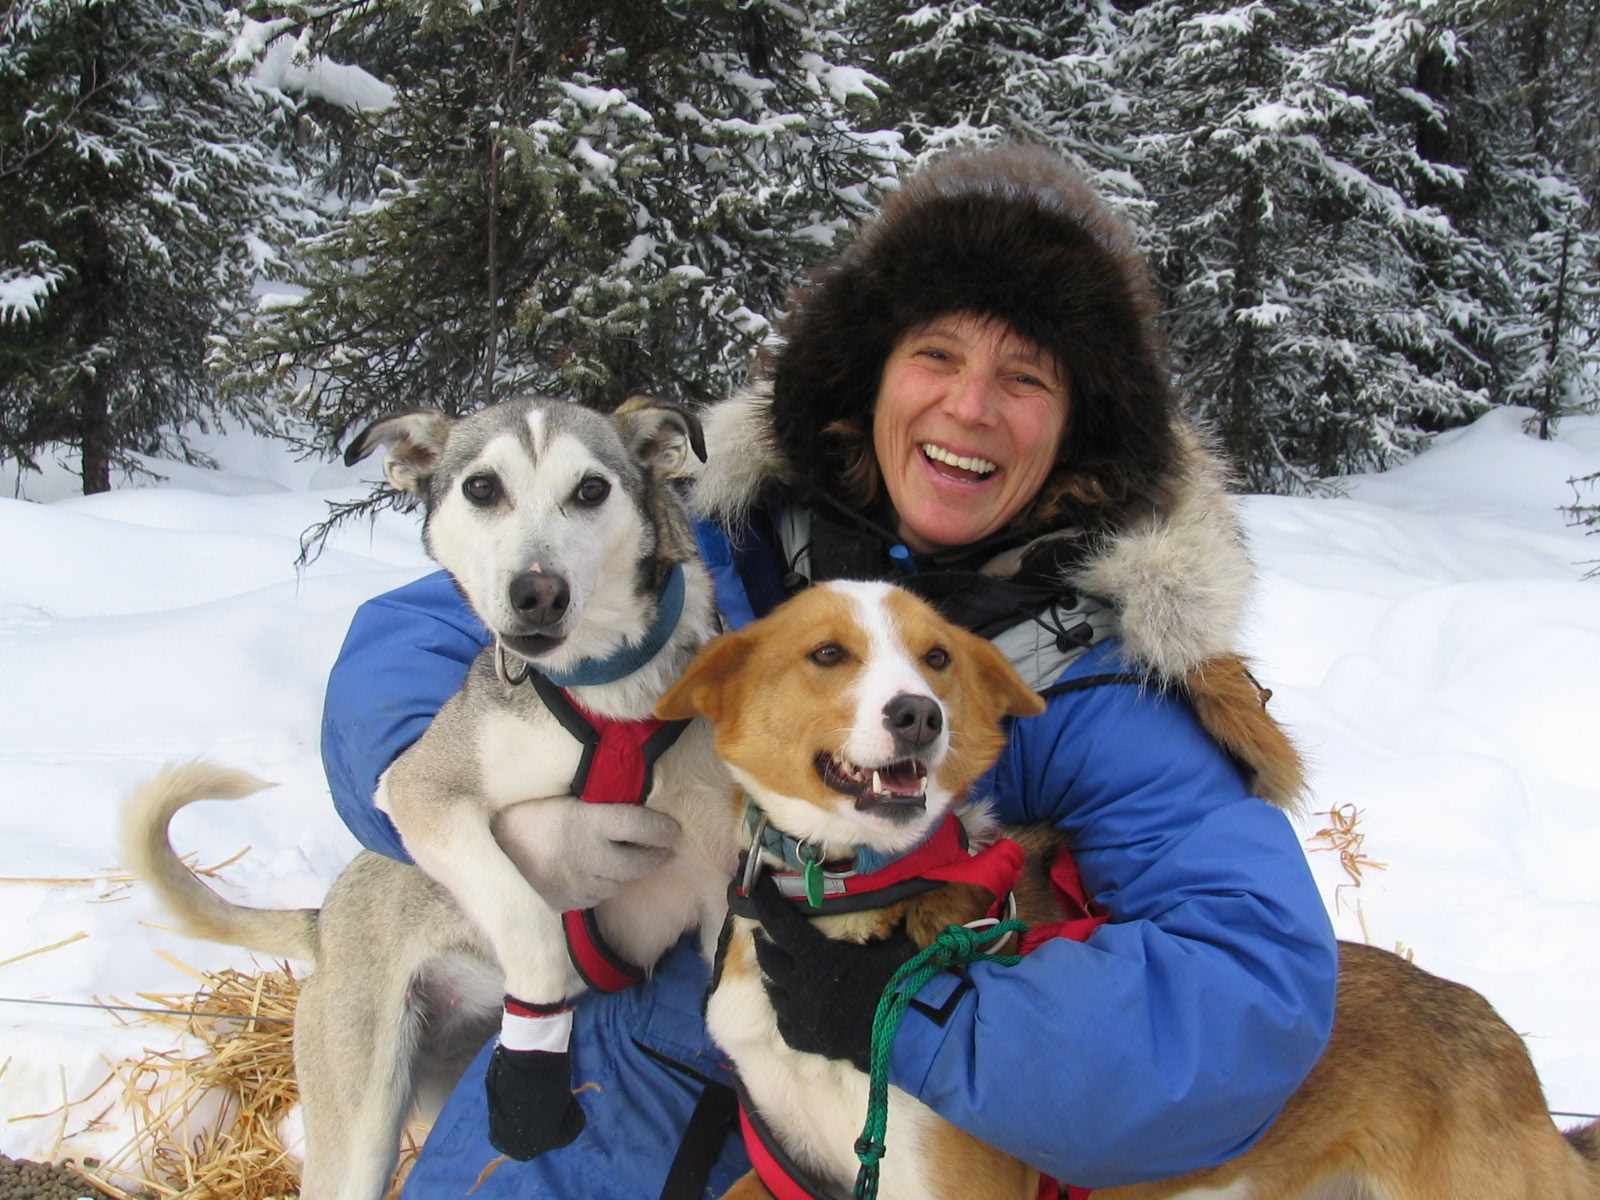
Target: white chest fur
x,y
520,757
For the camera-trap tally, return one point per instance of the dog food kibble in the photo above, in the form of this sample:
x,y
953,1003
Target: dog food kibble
x,y
24,1180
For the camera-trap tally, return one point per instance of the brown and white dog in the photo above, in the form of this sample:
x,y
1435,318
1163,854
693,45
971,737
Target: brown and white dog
x,y
1423,1094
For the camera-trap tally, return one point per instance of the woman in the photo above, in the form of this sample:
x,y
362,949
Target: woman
x,y
971,400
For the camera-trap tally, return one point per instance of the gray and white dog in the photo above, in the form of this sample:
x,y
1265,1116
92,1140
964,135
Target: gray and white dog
x,y
563,530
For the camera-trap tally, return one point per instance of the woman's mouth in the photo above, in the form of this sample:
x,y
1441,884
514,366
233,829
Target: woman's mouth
x,y
957,466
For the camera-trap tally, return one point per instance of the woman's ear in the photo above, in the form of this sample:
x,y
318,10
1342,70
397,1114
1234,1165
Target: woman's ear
x,y
709,681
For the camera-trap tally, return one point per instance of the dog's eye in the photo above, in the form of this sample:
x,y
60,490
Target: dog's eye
x,y
938,658
830,655
481,489
592,490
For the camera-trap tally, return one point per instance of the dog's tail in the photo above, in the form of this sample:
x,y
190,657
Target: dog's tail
x,y
146,851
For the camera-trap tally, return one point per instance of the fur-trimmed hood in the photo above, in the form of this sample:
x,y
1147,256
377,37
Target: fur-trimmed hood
x,y
1176,578
1017,234
1013,233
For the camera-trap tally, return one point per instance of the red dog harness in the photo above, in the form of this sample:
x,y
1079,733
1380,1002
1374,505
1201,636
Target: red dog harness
x,y
616,767
943,857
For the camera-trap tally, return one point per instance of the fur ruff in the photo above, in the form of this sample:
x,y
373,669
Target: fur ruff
x,y
1178,577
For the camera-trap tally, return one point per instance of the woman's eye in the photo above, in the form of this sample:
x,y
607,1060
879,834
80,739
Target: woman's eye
x,y
938,658
592,490
830,655
481,489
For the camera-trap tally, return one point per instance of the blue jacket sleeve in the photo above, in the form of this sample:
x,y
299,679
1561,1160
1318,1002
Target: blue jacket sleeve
x,y
1170,1040
406,653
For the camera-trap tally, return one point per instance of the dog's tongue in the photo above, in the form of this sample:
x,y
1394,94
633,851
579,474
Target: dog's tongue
x,y
903,778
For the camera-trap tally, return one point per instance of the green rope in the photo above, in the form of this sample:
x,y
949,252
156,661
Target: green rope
x,y
954,947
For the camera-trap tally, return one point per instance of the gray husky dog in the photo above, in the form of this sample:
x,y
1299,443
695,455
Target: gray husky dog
x,y
563,530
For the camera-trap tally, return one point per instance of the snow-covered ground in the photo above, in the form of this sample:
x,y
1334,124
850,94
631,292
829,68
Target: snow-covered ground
x,y
1429,637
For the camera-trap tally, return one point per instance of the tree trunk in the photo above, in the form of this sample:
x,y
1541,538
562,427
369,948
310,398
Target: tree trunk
x,y
96,441
1242,429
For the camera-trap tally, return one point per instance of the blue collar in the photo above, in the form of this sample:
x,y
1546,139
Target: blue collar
x,y
630,656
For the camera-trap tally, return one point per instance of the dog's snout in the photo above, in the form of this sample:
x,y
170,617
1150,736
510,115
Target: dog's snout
x,y
540,597
913,720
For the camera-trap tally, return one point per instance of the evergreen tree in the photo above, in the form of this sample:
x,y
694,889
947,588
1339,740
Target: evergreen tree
x,y
1541,131
572,201
963,72
133,195
1314,324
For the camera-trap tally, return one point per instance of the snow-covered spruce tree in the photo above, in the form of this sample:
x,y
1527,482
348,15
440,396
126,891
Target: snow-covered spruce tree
x,y
133,199
952,66
960,72
577,200
1309,320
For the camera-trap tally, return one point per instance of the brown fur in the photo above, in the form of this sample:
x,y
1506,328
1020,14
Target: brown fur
x,y
1424,1093
1233,708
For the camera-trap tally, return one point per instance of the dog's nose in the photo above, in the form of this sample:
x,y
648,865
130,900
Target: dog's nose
x,y
913,720
540,597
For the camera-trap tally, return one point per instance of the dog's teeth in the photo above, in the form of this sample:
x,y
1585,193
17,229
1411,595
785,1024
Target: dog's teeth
x,y
877,782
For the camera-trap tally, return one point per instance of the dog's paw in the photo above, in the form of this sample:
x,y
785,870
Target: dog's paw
x,y
531,1106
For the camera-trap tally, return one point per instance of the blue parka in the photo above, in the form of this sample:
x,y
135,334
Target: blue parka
x,y
1164,1044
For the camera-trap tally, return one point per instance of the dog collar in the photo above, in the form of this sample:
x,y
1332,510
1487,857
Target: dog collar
x,y
591,672
800,856
872,880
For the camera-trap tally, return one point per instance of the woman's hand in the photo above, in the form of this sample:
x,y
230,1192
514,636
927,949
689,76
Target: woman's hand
x,y
824,992
575,854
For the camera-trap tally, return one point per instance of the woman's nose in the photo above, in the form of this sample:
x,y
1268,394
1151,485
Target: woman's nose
x,y
971,399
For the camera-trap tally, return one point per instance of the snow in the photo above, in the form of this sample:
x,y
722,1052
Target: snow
x,y
604,102
1428,636
282,62
1276,115
22,295
842,83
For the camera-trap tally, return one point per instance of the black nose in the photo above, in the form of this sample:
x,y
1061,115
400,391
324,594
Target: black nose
x,y
540,597
914,720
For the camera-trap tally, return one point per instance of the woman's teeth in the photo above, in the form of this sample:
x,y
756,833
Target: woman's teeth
x,y
978,466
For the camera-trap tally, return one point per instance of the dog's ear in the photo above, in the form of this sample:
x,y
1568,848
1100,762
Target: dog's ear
x,y
415,441
999,678
660,434
706,688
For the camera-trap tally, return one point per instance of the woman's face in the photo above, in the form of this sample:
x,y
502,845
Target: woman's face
x,y
968,420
